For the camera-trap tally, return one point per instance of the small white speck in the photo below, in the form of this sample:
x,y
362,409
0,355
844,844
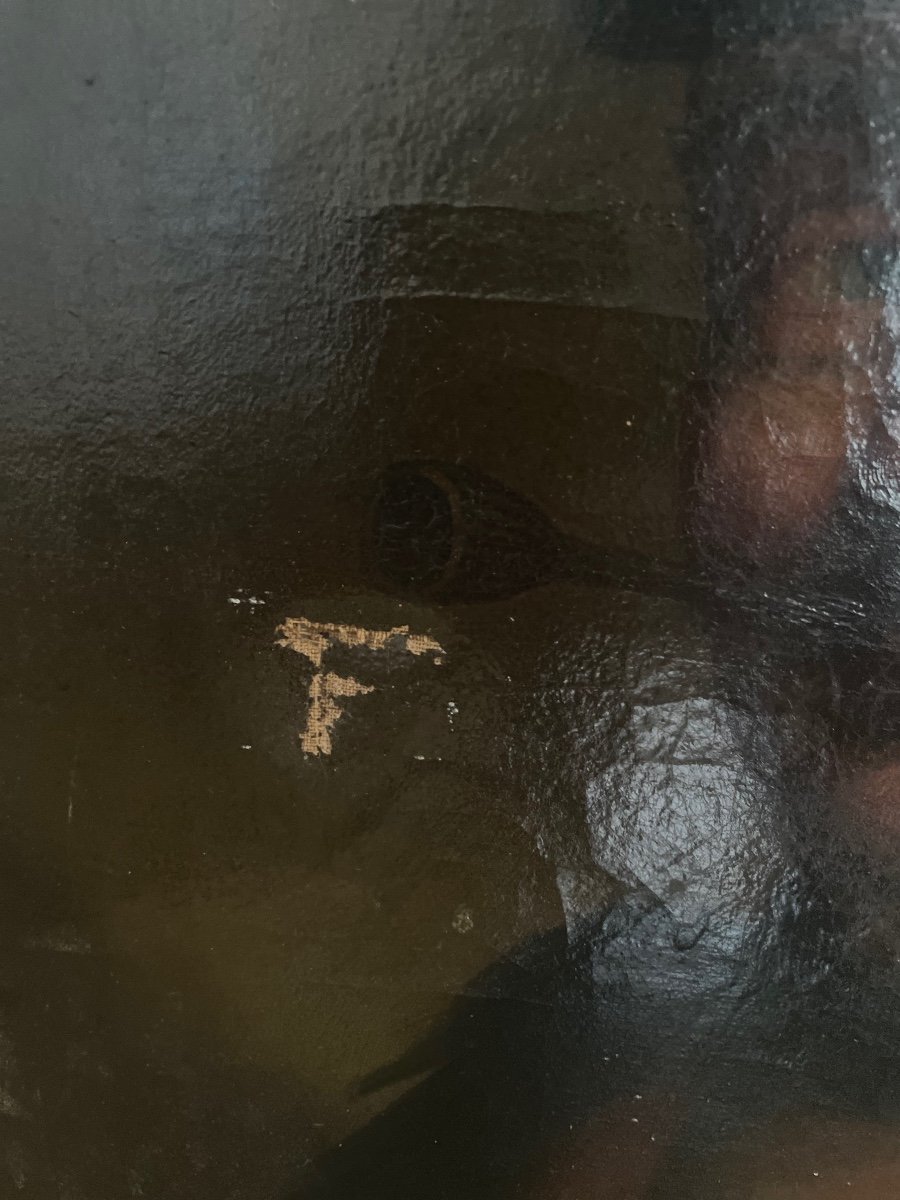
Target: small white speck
x,y
247,747
463,921
8,1105
816,1174
635,1121
628,423
253,602
419,757
639,1097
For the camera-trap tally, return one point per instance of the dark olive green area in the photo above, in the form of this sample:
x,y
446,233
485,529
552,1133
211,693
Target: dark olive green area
x,y
258,255
254,932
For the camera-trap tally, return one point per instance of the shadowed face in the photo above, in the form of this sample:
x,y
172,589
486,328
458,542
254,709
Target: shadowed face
x,y
799,473
817,414
798,202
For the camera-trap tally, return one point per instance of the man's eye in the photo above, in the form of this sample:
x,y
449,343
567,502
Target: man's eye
x,y
866,270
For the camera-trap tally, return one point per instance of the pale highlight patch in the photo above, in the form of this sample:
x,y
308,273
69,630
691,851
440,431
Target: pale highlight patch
x,y
312,639
324,709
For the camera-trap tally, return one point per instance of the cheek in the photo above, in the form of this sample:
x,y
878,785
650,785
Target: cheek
x,y
773,466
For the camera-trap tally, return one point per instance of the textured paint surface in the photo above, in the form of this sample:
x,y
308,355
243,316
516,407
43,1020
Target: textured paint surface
x,y
581,877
